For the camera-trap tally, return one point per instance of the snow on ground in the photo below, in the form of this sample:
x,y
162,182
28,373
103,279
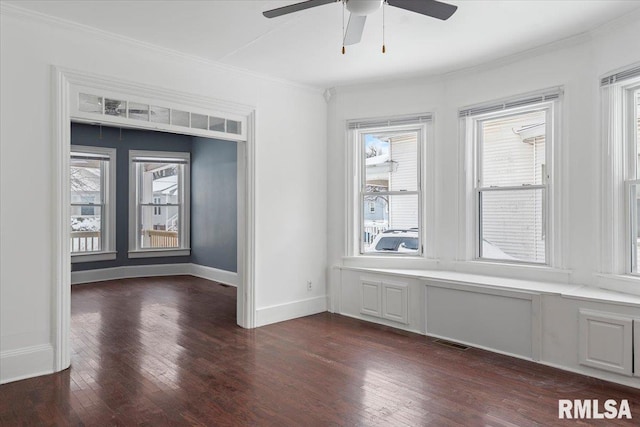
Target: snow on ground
x,y
91,223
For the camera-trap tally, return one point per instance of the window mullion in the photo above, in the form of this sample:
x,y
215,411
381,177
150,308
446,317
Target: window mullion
x,y
513,187
391,193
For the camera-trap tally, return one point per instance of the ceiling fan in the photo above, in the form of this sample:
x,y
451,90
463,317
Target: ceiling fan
x,y
359,9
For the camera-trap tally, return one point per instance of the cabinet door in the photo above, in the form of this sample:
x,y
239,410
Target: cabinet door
x,y
395,302
370,298
606,341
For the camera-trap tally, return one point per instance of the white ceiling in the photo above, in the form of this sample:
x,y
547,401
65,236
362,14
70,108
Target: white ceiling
x,y
305,47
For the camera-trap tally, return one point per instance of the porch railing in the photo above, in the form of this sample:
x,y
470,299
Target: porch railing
x,y
372,230
85,241
161,238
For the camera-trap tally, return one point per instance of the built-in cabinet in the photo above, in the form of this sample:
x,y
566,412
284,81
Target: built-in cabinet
x,y
607,340
385,300
563,326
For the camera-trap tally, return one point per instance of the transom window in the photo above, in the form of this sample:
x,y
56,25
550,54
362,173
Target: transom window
x,y
92,186
160,192
139,112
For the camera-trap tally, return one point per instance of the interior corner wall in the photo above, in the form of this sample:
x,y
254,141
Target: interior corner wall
x,y
123,141
214,213
290,164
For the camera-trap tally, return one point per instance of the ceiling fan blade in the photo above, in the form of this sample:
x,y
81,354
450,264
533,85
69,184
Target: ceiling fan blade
x,y
295,7
433,8
355,27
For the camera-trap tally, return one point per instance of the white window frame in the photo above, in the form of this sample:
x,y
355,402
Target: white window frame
x,y
618,173
477,123
135,251
549,100
356,129
632,98
108,219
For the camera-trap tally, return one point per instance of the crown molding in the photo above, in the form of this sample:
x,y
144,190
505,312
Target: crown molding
x,y
14,11
554,46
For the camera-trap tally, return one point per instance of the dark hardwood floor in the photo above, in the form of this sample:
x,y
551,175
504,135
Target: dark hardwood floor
x,y
167,351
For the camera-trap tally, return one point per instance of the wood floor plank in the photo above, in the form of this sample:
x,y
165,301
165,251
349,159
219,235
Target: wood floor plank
x,y
167,352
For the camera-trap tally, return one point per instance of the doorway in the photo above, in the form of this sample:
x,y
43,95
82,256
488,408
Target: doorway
x,y
69,88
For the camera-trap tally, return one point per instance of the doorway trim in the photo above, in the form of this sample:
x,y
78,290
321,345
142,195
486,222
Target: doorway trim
x,y
63,81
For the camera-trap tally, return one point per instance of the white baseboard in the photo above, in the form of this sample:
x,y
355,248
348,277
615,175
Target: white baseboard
x,y
595,373
383,322
102,274
129,271
291,310
221,276
26,362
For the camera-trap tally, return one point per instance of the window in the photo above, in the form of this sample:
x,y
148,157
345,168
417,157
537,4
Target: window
x,y
92,210
159,223
512,192
633,179
620,206
91,105
388,203
157,210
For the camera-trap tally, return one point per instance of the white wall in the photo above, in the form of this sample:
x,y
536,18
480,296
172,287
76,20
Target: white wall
x,y
290,168
575,64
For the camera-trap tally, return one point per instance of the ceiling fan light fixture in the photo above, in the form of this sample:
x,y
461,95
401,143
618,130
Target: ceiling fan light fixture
x,y
359,9
363,7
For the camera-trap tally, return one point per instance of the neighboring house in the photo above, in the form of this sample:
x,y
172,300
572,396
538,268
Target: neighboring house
x,y
375,210
403,211
85,188
164,193
514,148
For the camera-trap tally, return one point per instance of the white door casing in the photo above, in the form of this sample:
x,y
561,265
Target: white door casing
x,y
65,83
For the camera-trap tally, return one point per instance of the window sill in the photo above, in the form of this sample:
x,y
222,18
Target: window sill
x,y
156,253
92,256
512,270
394,261
486,283
625,283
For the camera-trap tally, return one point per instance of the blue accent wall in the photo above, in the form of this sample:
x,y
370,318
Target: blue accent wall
x,y
82,134
214,172
213,193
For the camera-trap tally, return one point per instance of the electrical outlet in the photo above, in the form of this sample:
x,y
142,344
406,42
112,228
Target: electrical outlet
x,y
309,285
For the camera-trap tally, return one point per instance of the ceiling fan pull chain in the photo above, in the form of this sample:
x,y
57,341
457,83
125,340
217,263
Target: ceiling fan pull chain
x,y
343,33
384,48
